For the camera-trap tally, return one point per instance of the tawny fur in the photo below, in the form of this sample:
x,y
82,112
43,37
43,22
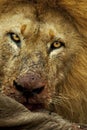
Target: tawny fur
x,y
70,96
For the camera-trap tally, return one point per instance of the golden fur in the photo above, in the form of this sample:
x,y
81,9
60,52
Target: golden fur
x,y
69,95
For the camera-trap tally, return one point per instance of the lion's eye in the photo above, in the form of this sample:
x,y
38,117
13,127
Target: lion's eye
x,y
15,38
57,44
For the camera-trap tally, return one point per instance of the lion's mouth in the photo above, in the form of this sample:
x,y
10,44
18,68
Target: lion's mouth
x,y
31,97
34,107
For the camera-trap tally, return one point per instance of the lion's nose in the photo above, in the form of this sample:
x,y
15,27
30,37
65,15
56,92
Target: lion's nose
x,y
30,84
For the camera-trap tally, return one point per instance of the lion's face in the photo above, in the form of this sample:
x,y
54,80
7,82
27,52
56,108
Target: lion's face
x,y
36,54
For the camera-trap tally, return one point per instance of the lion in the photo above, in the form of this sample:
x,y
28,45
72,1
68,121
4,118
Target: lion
x,y
43,55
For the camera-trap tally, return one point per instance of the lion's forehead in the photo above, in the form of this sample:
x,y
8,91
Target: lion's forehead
x,y
50,24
